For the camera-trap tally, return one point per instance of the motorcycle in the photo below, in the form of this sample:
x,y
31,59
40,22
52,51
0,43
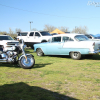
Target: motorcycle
x,y
11,55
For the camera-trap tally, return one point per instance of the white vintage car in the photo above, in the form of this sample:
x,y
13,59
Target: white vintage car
x,y
74,45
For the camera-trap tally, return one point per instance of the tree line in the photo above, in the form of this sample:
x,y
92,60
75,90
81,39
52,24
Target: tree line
x,y
49,28
80,29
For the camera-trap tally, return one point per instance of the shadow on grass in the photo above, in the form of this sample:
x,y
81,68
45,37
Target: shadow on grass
x,y
94,57
22,91
58,56
41,65
8,65
16,66
29,50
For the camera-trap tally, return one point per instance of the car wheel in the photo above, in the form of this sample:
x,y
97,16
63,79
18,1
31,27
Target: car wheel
x,y
39,52
75,55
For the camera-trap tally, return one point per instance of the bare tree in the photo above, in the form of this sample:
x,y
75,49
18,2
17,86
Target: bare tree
x,y
64,29
10,31
17,30
2,33
81,30
49,28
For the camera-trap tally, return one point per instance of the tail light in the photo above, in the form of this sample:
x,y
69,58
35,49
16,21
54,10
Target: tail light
x,y
94,44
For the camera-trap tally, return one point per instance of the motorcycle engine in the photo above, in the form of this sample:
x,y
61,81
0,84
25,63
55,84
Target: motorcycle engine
x,y
10,56
9,53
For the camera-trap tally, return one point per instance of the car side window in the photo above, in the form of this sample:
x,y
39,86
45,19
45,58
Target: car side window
x,y
65,39
70,39
31,34
22,34
37,34
56,39
89,36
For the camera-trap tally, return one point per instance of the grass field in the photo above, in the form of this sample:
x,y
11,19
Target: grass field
x,y
52,78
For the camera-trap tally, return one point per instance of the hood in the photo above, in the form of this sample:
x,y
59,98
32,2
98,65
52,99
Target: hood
x,y
10,41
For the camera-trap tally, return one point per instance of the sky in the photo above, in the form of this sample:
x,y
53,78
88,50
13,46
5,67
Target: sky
x,y
67,13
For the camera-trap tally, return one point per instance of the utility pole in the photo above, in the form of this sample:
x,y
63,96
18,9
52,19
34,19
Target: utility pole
x,y
30,24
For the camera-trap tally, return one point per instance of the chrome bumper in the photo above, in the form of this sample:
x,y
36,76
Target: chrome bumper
x,y
94,52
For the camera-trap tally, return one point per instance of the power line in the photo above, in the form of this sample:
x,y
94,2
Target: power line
x,y
45,13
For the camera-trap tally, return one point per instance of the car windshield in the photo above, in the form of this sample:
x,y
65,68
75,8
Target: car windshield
x,y
81,38
95,37
6,38
45,34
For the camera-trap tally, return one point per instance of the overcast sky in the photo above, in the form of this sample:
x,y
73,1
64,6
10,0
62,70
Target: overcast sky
x,y
68,13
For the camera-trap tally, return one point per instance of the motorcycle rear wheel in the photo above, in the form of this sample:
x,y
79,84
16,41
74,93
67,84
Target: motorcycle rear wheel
x,y
27,64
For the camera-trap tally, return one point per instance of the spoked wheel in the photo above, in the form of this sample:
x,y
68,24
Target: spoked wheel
x,y
27,63
39,52
75,55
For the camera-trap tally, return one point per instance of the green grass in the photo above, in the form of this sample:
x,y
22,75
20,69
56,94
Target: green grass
x,y
52,78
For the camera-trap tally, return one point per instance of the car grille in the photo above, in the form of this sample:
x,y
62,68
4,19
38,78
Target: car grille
x,y
12,43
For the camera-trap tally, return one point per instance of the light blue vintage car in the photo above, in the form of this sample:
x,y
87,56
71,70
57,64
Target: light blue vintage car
x,y
74,45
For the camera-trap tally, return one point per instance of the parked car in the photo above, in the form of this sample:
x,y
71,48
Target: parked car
x,y
74,45
91,36
34,37
7,42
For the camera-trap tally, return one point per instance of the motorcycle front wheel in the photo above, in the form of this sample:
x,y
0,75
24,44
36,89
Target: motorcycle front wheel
x,y
27,63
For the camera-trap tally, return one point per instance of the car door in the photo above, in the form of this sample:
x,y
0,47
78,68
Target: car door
x,y
30,38
54,48
33,37
37,37
67,45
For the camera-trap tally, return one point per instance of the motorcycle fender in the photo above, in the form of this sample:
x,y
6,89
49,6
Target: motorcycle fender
x,y
23,55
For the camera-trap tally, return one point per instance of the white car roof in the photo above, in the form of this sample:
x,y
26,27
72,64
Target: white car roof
x,y
31,31
4,35
69,34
